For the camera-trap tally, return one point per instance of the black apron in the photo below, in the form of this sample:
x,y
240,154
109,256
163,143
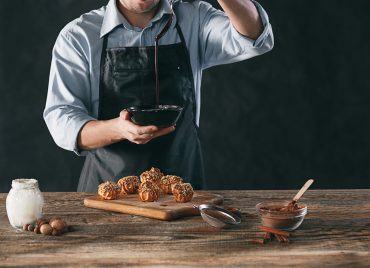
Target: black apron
x,y
127,79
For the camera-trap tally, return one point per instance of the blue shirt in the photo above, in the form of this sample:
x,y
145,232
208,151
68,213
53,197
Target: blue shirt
x,y
73,93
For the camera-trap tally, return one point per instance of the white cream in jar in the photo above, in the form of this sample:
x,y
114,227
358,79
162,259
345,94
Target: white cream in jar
x,y
24,202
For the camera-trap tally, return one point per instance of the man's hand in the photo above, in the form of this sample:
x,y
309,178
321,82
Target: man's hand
x,y
139,134
96,134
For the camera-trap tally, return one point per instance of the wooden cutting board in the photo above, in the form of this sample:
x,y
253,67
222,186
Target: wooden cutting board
x,y
164,209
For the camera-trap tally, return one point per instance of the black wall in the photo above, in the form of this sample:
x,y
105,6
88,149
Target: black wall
x,y
299,111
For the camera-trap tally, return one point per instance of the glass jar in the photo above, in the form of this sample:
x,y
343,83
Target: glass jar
x,y
24,202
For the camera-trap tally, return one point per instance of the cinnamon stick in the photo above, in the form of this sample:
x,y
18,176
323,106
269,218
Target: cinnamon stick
x,y
267,237
281,238
286,239
259,241
274,231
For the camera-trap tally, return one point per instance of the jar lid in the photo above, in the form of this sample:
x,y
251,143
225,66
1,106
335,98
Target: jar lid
x,y
24,183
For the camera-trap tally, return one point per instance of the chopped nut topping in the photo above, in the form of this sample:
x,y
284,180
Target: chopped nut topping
x,y
183,192
109,190
129,184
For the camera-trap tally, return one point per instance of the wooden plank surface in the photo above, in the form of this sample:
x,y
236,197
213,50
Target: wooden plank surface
x,y
335,233
166,208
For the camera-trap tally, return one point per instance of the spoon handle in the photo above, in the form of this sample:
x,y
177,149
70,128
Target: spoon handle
x,y
303,190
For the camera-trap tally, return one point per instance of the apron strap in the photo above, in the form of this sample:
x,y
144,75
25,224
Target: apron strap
x,y
102,66
186,51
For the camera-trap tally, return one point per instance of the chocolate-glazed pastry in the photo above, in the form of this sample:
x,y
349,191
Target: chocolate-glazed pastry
x,y
109,190
149,192
129,184
167,182
183,192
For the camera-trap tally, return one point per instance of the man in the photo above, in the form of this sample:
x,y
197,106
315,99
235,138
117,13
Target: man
x,y
103,63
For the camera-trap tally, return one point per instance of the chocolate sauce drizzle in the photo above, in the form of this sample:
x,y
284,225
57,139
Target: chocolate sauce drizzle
x,y
159,36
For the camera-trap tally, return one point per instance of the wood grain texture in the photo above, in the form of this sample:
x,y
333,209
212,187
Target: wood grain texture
x,y
166,208
335,233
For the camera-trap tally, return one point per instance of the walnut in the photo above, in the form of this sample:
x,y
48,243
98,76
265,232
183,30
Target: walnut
x,y
167,182
183,192
149,192
153,175
109,190
129,184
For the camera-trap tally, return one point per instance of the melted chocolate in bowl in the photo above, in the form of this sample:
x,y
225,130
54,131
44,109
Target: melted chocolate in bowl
x,y
157,115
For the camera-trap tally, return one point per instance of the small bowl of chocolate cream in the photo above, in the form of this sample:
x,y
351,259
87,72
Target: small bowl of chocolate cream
x,y
285,215
159,115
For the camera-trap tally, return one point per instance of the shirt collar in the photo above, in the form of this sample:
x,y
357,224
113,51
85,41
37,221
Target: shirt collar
x,y
113,18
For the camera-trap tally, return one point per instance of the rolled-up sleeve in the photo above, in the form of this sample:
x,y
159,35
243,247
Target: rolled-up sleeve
x,y
221,43
69,93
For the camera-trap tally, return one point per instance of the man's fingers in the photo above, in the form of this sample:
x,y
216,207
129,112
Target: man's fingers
x,y
145,138
143,141
124,115
135,129
163,131
145,130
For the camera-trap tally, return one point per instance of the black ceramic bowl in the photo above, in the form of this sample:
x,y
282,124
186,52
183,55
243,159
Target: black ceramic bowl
x,y
159,115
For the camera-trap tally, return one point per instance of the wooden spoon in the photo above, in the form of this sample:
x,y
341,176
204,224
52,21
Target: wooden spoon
x,y
302,191
292,205
295,199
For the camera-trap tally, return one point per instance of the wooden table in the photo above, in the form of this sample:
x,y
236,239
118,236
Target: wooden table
x,y
336,232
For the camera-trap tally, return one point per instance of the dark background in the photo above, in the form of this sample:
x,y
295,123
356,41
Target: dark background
x,y
301,111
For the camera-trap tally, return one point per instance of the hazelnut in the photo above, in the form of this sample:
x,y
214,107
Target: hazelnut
x,y
30,228
38,222
58,224
25,227
46,229
36,230
54,219
43,222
